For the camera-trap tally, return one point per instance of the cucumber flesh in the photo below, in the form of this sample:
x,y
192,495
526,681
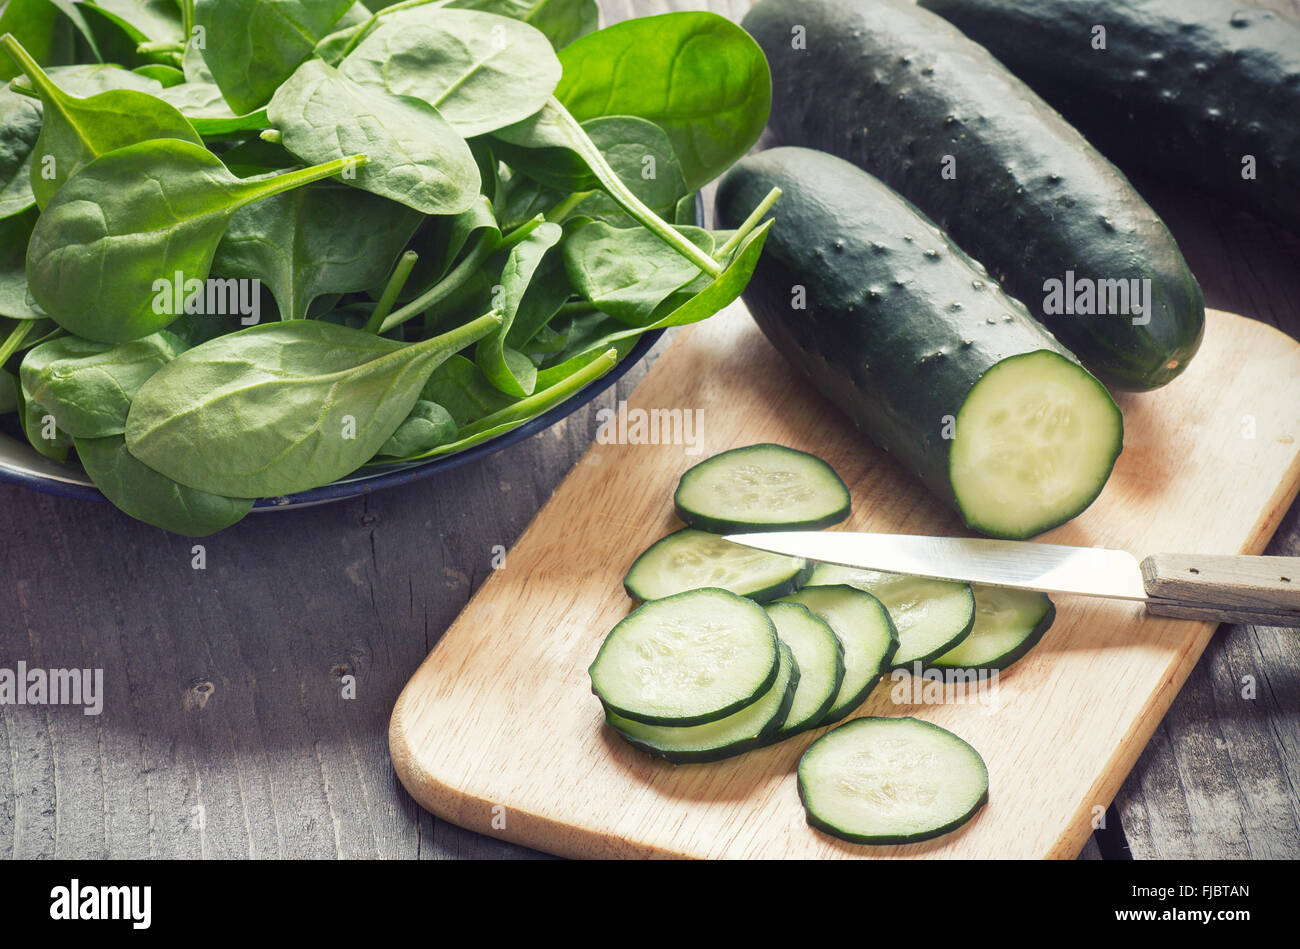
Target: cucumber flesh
x,y
691,559
1008,623
759,488
739,732
863,627
931,616
891,781
820,657
686,659
1035,442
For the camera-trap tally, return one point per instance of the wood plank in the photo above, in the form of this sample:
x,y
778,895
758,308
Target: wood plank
x,y
1073,716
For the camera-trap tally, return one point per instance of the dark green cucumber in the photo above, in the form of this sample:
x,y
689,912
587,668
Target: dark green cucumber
x,y
1183,88
914,341
903,94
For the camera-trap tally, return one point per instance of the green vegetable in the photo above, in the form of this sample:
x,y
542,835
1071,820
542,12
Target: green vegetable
x,y
89,386
917,344
698,76
110,234
20,127
75,131
628,272
325,399
506,368
148,496
321,239
902,94
1185,89
415,156
156,21
34,23
427,427
480,72
253,47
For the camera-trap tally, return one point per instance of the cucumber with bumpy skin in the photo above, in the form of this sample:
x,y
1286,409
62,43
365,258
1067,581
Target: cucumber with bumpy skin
x,y
1184,88
759,488
903,94
820,657
914,341
690,559
891,781
931,616
1008,623
687,659
748,728
863,627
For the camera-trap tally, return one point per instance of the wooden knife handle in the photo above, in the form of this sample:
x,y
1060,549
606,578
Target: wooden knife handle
x,y
1261,590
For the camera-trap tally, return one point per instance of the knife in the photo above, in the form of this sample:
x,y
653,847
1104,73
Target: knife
x,y
1226,589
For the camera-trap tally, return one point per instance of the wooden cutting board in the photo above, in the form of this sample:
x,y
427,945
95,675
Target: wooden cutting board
x,y
498,730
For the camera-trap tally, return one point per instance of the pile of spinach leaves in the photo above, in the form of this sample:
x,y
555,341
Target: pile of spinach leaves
x,y
461,213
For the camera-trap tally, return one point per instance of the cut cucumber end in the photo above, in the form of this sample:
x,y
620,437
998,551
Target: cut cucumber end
x,y
761,487
691,559
713,741
1008,623
1035,442
891,781
687,659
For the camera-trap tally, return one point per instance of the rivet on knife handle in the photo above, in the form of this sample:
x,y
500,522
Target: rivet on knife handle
x,y
1259,590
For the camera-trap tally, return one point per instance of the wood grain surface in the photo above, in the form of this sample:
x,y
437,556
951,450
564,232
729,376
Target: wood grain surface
x,y
498,731
225,733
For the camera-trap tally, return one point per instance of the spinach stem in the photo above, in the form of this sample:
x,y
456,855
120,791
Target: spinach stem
x,y
445,287
521,232
535,403
562,210
620,192
577,308
14,341
148,49
278,184
755,218
396,283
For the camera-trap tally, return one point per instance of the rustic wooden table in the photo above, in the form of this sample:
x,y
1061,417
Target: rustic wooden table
x,y
227,731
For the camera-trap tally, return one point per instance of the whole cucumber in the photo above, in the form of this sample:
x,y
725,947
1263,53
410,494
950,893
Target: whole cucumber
x,y
918,345
903,94
1207,91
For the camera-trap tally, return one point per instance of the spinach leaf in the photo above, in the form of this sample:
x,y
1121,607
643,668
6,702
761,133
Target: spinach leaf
x,y
157,21
283,407
481,72
76,131
428,426
322,239
200,100
416,158
72,11
698,76
34,23
138,490
506,368
20,127
166,76
720,292
642,156
132,218
88,79
547,292
88,386
628,272
42,431
253,46
459,386
563,21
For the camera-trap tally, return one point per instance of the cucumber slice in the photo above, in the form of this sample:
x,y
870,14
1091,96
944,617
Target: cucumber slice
x,y
762,487
891,781
866,632
1008,623
690,559
820,657
746,729
931,616
686,659
1034,443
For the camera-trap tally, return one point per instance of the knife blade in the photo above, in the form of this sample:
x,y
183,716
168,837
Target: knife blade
x,y
1049,568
